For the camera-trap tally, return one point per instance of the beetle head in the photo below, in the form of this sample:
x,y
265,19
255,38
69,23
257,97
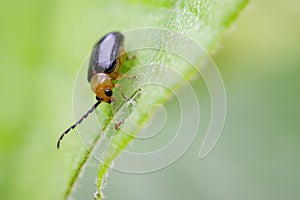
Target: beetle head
x,y
102,85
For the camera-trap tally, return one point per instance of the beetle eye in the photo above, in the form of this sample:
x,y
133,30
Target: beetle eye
x,y
108,92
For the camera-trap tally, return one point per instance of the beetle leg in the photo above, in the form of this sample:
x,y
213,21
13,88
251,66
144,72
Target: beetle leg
x,y
126,76
114,102
121,91
118,124
134,56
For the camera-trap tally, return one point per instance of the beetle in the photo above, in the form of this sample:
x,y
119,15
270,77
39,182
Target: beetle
x,y
107,57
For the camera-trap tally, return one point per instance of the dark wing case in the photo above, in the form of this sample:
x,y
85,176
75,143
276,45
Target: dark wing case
x,y
105,54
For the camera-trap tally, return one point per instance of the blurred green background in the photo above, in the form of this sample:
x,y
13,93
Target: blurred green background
x,y
43,43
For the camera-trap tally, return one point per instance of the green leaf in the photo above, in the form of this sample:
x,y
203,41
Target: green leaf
x,y
202,20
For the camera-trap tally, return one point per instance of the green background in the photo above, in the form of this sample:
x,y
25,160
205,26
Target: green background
x,y
42,45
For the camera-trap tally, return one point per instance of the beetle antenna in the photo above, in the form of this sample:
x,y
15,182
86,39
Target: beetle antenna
x,y
78,122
